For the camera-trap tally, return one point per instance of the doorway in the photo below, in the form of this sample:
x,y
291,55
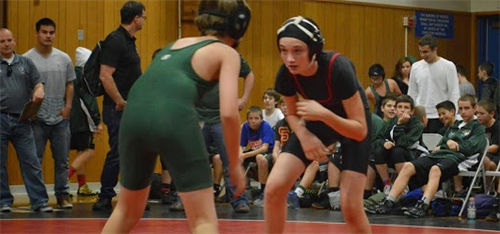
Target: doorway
x,y
488,42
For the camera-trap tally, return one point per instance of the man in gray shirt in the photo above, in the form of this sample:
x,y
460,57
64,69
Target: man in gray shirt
x,y
465,86
56,69
19,80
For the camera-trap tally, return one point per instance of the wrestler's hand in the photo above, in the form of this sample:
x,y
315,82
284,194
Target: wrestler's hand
x,y
314,149
310,110
389,145
238,179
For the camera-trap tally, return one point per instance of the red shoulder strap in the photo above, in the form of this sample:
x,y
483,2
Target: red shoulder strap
x,y
328,82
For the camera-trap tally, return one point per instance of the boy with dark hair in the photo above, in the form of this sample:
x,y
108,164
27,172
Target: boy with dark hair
x,y
485,70
258,135
401,137
463,139
446,112
486,116
271,113
388,107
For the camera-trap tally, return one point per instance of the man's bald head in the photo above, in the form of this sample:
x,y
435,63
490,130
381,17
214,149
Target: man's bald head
x,y
7,43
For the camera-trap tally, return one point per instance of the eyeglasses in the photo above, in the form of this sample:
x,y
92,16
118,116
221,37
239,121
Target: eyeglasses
x,y
9,70
144,17
376,78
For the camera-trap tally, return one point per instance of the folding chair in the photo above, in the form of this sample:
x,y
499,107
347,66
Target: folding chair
x,y
493,174
479,171
431,140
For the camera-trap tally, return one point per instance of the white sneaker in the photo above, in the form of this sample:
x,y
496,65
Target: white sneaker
x,y
387,189
5,209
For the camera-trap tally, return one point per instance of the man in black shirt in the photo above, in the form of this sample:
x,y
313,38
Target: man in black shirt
x,y
120,68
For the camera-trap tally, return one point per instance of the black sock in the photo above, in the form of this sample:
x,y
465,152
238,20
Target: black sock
x,y
367,194
216,188
333,189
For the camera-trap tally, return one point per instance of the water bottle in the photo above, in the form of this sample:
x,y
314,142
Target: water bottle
x,y
471,210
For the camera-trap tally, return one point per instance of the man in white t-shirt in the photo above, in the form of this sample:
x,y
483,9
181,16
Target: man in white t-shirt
x,y
432,80
271,113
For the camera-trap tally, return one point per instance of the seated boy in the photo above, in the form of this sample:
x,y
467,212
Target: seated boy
x,y
464,138
401,136
419,113
258,136
271,113
446,112
388,107
486,116
485,113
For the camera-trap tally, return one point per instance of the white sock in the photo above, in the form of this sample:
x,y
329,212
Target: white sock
x,y
299,191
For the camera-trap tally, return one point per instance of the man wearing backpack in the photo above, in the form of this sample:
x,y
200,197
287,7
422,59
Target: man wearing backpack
x,y
120,68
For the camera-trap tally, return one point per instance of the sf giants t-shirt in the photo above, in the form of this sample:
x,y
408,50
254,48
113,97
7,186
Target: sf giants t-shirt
x,y
255,138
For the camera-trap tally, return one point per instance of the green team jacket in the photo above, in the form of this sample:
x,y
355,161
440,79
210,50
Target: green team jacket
x,y
78,118
471,139
407,135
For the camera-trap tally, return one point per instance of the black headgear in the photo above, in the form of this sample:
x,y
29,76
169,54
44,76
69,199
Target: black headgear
x,y
376,70
235,24
304,29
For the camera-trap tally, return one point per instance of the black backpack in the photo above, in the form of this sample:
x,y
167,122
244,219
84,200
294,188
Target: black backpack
x,y
91,72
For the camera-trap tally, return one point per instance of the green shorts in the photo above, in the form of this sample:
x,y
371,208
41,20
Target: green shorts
x,y
176,137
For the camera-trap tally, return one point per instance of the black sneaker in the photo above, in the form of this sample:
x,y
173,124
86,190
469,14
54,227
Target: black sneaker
x,y
103,204
167,197
419,211
460,194
6,209
323,203
222,199
384,207
494,216
177,206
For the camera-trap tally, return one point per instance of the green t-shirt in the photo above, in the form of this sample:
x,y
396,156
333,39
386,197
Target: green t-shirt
x,y
208,109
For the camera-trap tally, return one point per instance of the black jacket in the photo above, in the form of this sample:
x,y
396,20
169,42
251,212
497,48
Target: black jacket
x,y
78,118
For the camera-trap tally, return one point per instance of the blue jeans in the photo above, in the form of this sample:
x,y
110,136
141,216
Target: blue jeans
x,y
213,134
21,136
59,136
111,168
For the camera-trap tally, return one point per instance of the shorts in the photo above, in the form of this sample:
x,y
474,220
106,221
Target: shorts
x,y
269,158
392,156
423,165
355,155
82,140
493,157
181,147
